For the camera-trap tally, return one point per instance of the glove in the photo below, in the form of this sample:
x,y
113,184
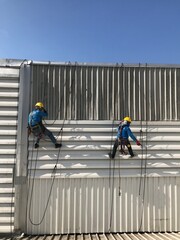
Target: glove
x,y
43,109
138,143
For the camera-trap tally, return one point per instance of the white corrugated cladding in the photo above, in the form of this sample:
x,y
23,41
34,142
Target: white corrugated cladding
x,y
99,236
78,189
9,88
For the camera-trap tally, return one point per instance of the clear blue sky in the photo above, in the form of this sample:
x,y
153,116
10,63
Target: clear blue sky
x,y
91,31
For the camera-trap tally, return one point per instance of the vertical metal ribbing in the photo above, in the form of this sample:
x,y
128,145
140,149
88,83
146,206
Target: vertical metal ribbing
x,y
128,92
92,94
139,94
155,94
64,105
118,93
96,91
175,96
124,93
86,94
59,93
165,94
113,90
121,97
135,109
160,95
75,93
170,88
150,93
69,92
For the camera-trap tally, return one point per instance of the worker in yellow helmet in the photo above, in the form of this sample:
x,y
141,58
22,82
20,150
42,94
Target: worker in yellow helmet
x,y
124,132
36,126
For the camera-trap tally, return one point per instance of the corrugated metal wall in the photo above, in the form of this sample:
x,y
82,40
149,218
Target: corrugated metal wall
x,y
84,195
91,205
80,190
92,92
9,93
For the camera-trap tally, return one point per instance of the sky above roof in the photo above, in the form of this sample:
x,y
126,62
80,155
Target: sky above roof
x,y
91,31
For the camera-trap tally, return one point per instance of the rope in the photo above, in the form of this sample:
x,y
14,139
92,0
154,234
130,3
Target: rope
x,y
111,147
112,196
144,160
119,172
53,175
111,177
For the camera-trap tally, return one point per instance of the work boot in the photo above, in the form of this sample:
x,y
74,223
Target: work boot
x,y
58,145
36,145
110,155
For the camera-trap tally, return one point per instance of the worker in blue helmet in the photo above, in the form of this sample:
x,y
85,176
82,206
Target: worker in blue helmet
x,y
122,139
36,126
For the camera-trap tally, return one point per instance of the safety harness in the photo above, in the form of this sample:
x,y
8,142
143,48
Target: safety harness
x,y
37,129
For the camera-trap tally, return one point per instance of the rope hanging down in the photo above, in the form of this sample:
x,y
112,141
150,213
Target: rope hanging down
x,y
143,175
111,178
53,175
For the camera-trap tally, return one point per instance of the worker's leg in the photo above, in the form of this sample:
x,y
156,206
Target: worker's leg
x,y
129,148
112,155
37,135
51,136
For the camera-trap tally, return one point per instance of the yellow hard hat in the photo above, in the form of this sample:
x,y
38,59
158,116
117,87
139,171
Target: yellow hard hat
x,y
128,119
39,104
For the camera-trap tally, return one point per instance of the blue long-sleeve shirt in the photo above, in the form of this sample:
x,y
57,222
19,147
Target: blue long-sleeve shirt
x,y
125,133
36,116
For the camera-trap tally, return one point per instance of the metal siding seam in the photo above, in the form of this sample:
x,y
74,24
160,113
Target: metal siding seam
x,y
92,94
170,202
123,93
76,94
170,94
109,116
65,87
69,89
63,230
105,206
118,94
96,92
150,93
113,94
81,208
175,96
86,213
128,86
175,206
165,94
160,96
86,94
144,94
139,94
155,96
134,110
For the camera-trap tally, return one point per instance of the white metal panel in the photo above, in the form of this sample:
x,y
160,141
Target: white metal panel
x,y
80,190
101,205
9,89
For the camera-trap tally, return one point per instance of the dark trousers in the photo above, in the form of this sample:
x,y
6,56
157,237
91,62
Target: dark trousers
x,y
42,130
122,142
